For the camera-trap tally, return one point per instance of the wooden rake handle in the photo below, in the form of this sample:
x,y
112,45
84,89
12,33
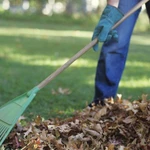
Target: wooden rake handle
x,y
86,48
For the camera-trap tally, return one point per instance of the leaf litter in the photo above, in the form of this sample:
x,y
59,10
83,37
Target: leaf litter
x,y
119,125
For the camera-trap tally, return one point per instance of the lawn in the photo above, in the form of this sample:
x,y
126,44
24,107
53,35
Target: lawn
x,y
31,51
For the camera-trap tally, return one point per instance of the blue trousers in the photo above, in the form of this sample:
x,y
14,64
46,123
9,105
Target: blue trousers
x,y
113,55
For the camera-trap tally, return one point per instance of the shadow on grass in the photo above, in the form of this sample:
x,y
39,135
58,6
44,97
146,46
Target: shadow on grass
x,y
48,25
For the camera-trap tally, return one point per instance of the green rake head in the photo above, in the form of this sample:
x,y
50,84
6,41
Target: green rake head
x,y
10,112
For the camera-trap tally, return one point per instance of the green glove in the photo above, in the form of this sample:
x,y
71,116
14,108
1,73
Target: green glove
x,y
109,17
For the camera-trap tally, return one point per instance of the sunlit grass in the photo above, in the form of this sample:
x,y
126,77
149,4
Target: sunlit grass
x,y
131,82
43,33
138,40
138,64
38,61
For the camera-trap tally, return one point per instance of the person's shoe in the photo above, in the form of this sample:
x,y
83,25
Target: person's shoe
x,y
97,102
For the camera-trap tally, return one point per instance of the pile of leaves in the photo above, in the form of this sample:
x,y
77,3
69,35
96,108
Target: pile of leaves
x,y
119,125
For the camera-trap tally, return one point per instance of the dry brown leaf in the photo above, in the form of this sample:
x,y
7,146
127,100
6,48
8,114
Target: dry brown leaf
x,y
144,98
100,113
111,147
60,90
30,130
129,120
38,120
119,98
143,107
130,107
92,133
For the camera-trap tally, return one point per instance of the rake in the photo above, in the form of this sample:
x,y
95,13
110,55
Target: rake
x,y
11,111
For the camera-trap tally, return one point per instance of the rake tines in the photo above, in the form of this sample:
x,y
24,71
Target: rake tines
x,y
7,119
10,112
4,130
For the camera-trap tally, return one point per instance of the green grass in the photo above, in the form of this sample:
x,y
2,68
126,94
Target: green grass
x,y
136,77
29,52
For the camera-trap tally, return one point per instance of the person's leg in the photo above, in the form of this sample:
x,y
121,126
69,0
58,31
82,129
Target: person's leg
x,y
113,56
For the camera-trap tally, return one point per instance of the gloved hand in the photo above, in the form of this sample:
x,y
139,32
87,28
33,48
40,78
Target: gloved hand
x,y
109,17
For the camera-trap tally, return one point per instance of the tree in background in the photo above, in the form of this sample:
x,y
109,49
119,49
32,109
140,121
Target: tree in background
x,y
48,7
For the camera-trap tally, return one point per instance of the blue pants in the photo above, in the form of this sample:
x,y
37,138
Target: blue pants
x,y
113,55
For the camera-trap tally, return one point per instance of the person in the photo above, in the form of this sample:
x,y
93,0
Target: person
x,y
113,55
